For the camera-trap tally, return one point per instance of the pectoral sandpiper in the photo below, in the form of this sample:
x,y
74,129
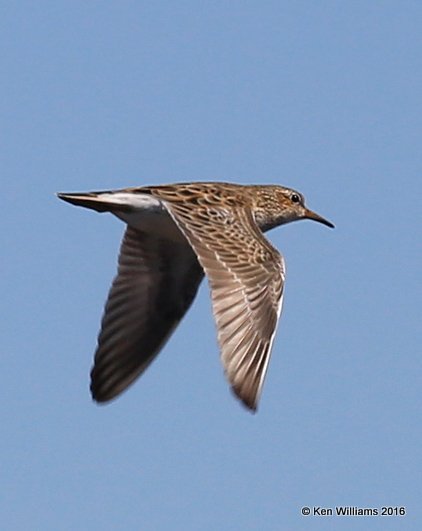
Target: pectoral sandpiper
x,y
176,233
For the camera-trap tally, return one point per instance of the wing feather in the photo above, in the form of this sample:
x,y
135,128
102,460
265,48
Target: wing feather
x,y
156,283
246,277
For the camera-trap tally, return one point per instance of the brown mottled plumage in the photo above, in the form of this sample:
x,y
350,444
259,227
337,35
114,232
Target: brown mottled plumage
x,y
176,233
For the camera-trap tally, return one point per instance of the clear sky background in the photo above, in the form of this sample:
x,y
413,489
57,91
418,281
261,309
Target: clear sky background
x,y
324,97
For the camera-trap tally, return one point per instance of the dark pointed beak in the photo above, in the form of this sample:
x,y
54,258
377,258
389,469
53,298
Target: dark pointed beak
x,y
316,217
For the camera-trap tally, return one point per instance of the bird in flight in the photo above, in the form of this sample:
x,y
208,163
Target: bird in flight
x,y
175,234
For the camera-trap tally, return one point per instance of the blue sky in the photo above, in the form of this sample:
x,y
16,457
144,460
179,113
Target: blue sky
x,y
324,97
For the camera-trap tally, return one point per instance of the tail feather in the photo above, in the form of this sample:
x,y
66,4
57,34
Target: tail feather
x,y
99,201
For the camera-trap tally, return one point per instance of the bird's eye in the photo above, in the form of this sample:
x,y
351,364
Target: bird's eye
x,y
295,198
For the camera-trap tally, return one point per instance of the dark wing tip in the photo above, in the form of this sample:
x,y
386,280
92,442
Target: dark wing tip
x,y
98,393
106,386
248,401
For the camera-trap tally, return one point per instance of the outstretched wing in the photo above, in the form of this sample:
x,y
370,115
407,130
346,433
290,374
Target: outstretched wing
x,y
156,283
246,276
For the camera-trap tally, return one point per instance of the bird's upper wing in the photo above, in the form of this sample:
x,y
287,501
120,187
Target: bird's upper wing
x,y
246,276
156,283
